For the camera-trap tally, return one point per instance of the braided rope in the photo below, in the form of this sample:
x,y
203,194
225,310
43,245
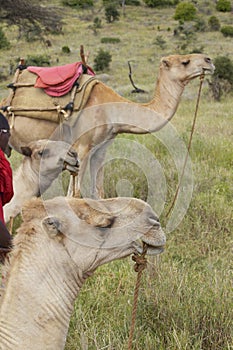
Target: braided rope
x,y
189,146
140,265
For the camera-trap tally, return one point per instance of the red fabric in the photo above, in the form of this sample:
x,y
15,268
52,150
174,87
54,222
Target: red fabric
x,y
6,185
58,81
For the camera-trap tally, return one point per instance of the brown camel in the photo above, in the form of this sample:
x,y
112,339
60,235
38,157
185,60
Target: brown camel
x,y
107,114
59,245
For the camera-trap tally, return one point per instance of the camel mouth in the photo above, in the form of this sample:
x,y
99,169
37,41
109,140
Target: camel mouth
x,y
152,249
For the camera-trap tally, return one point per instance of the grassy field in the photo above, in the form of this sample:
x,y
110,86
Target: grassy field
x,y
185,300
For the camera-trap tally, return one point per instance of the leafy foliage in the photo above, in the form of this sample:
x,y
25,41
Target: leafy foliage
x,y
106,40
160,3
227,30
29,16
4,43
214,23
222,79
83,4
223,6
38,60
65,49
102,60
185,11
111,13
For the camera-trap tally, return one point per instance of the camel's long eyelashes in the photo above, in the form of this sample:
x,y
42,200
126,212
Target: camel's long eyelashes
x,y
185,63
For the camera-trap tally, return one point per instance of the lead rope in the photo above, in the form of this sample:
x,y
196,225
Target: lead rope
x,y
189,144
140,265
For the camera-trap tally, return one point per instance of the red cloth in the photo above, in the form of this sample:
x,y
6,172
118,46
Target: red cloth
x,y
58,81
6,185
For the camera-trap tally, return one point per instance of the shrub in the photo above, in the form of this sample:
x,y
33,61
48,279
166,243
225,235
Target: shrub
x,y
111,13
185,11
214,23
4,43
222,79
78,3
102,60
65,49
227,30
38,60
110,40
161,3
223,6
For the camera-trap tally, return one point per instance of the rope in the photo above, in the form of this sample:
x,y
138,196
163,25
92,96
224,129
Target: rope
x,y
140,265
189,145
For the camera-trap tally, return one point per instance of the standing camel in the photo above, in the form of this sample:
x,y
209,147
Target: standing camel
x,y
108,114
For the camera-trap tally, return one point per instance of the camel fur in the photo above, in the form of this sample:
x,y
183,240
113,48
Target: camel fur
x,y
43,161
60,243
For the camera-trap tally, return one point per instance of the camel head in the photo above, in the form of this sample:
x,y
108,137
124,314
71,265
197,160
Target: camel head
x,y
184,68
94,232
50,157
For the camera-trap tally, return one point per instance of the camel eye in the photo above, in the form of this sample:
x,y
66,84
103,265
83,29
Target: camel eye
x,y
185,63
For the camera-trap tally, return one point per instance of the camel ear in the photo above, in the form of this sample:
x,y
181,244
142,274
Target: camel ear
x,y
166,63
26,151
52,226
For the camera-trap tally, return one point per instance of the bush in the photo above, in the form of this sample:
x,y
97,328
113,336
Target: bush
x,y
185,11
78,3
65,49
223,6
102,60
222,79
214,23
227,30
111,13
4,43
161,3
38,60
110,40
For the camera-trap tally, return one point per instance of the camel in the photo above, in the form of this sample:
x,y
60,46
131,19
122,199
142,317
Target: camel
x,y
60,243
108,114
43,161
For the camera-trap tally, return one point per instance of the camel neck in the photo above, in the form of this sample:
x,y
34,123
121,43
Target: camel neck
x,y
39,300
167,96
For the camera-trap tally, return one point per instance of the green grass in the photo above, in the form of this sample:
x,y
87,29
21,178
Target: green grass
x,y
185,300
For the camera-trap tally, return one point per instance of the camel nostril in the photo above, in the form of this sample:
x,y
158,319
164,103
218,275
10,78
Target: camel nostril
x,y
207,60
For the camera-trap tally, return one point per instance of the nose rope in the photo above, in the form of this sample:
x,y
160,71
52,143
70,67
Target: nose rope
x,y
140,265
189,144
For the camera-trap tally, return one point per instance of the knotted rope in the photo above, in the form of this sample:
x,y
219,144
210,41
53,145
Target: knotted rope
x,y
140,265
189,144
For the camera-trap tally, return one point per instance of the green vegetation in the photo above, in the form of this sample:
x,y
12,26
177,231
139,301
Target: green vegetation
x,y
160,3
185,300
102,60
110,40
83,4
214,23
4,43
111,13
185,11
223,5
227,30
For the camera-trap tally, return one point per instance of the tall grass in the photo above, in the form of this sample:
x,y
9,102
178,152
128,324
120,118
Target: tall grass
x,y
185,300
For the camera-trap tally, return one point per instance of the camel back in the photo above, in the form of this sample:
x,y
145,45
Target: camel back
x,y
28,101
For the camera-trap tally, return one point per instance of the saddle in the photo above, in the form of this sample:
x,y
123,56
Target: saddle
x,y
49,93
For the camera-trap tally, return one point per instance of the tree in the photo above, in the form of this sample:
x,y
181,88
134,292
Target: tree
x,y
222,79
185,11
111,13
102,60
4,43
30,17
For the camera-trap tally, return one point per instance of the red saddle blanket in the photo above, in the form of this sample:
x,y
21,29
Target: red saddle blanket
x,y
58,81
